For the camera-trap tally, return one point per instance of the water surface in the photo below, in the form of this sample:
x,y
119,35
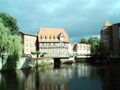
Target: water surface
x,y
79,76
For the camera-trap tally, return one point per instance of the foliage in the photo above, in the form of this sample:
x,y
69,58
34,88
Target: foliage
x,y
97,47
17,51
4,33
93,41
9,22
83,40
44,53
39,53
10,41
36,53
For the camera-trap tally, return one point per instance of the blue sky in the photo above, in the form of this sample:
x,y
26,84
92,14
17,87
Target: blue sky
x,y
80,18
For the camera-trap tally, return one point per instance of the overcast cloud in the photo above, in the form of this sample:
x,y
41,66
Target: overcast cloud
x,y
80,18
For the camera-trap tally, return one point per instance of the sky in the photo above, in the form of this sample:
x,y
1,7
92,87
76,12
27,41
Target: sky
x,y
79,18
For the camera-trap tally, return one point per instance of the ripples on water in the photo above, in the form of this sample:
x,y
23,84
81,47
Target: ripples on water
x,y
69,77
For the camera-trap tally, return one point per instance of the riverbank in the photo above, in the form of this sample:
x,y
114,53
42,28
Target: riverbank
x,y
27,62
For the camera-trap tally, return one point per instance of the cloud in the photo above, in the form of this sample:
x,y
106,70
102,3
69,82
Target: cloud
x,y
80,18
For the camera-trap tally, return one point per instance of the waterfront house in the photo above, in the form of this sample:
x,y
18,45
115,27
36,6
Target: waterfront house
x,y
71,51
29,43
54,42
82,50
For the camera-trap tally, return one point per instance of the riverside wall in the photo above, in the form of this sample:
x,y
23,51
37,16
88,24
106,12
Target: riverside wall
x,y
24,63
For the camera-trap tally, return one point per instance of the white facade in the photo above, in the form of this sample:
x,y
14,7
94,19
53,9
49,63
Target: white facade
x,y
71,51
54,49
54,42
83,49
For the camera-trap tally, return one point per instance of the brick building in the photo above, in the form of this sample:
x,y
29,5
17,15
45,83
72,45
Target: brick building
x,y
110,36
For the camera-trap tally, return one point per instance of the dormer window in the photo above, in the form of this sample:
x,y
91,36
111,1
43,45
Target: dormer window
x,y
61,37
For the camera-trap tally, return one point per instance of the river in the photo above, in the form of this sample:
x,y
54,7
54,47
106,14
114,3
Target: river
x,y
79,76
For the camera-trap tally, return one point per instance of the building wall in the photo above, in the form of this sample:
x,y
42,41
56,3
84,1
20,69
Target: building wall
x,y
116,41
71,51
54,49
110,38
82,49
54,42
29,43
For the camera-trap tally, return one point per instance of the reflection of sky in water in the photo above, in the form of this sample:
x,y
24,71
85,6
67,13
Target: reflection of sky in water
x,y
74,77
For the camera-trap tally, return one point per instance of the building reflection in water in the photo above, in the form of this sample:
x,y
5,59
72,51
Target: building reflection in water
x,y
110,75
47,78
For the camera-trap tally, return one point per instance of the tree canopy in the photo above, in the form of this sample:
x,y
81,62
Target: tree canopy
x,y
9,43
10,40
83,40
9,22
4,33
93,41
97,47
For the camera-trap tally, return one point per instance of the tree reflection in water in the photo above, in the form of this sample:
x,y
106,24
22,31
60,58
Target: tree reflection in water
x,y
79,76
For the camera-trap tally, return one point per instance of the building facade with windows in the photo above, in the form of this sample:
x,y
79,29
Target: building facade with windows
x,y
110,36
54,42
29,43
82,49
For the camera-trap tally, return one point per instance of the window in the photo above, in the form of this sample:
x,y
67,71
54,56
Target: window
x,y
61,38
43,38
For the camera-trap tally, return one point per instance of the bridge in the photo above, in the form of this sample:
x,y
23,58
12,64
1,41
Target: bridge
x,y
57,60
42,58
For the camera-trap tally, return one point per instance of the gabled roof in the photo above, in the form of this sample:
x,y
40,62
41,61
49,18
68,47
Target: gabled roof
x,y
52,32
106,25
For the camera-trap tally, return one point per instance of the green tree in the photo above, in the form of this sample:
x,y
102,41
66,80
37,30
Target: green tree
x,y
98,49
4,35
36,53
9,22
83,40
94,42
10,41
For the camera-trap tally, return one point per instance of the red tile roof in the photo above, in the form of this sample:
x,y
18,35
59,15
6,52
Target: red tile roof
x,y
49,33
